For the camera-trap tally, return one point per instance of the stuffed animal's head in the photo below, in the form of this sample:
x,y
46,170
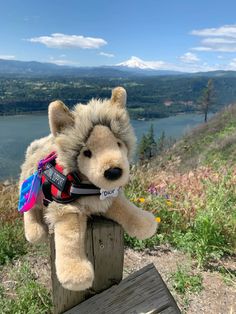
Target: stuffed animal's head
x,y
96,139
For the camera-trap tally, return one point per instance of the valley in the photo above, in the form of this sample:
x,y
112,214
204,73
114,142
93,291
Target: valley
x,y
148,97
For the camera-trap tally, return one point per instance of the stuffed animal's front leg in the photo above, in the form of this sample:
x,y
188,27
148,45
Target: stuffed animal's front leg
x,y
35,230
74,271
135,221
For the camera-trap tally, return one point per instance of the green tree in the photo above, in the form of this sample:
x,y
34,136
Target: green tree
x,y
207,98
151,143
142,148
161,142
147,148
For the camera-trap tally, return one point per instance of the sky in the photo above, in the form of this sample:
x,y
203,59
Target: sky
x,y
182,35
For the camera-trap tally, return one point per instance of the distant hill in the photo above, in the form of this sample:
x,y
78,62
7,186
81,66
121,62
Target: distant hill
x,y
34,68
39,69
213,74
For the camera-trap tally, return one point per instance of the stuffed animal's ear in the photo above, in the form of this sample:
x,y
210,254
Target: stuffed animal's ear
x,y
59,116
119,97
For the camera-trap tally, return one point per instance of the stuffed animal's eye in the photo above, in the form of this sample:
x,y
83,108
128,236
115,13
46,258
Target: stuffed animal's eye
x,y
119,144
88,153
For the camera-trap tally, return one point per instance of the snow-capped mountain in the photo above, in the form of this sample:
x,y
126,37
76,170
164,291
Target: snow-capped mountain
x,y
136,63
139,66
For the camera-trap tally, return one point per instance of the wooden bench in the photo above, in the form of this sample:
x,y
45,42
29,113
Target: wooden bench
x,y
141,292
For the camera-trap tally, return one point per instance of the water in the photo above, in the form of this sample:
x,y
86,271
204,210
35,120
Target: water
x,y
16,132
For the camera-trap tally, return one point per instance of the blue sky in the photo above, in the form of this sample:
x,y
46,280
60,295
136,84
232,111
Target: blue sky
x,y
180,35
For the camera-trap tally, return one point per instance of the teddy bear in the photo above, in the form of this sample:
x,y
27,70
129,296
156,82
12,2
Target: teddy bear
x,y
92,147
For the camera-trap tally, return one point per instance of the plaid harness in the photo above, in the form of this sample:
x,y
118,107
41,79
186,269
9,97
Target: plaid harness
x,y
63,188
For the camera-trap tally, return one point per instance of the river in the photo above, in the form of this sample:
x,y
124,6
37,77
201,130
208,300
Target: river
x,y
16,132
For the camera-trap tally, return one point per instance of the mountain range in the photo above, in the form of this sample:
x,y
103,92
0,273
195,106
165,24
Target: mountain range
x,y
124,69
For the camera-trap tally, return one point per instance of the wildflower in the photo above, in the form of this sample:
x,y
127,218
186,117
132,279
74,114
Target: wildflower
x,y
141,200
152,190
158,219
169,203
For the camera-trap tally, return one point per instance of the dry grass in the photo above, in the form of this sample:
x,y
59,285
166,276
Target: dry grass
x,y
8,203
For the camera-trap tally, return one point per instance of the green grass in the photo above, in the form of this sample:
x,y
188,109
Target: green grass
x,y
184,281
29,296
12,241
212,232
136,244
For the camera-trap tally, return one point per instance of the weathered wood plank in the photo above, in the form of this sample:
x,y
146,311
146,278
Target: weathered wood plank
x,y
105,249
108,253
142,292
169,310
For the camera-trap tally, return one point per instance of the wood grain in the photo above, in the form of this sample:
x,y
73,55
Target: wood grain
x,y
142,292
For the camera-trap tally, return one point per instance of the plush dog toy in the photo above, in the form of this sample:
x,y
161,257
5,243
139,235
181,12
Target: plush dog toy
x,y
86,166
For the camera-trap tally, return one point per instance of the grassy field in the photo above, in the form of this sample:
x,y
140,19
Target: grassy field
x,y
191,191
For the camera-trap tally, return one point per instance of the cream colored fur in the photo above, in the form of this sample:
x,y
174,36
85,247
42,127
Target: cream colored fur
x,y
103,127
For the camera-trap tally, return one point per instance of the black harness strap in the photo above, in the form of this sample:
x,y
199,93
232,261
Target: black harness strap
x,y
73,188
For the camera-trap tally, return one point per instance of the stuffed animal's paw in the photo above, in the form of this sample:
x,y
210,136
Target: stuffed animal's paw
x,y
35,232
75,275
143,226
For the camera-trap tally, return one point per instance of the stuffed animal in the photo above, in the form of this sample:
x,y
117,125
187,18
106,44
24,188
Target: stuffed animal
x,y
84,167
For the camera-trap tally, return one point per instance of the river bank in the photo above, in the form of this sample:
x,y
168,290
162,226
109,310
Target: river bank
x,y
133,117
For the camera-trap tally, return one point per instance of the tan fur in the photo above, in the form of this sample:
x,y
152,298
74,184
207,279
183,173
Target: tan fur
x,y
103,127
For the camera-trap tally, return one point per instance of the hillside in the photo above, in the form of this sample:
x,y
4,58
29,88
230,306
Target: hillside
x,y
212,143
148,97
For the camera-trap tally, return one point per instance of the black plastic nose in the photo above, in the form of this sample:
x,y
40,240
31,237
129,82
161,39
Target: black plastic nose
x,y
113,173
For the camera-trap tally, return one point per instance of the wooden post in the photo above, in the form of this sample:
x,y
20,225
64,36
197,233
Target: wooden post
x,y
105,250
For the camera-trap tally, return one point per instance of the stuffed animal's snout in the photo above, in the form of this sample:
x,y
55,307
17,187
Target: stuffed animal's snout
x,y
113,173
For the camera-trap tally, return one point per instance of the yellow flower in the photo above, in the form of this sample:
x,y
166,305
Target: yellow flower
x,y
169,203
141,200
158,219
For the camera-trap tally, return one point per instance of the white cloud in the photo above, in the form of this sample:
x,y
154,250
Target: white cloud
x,y
232,64
7,57
217,39
189,57
200,48
223,31
58,40
105,54
63,61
